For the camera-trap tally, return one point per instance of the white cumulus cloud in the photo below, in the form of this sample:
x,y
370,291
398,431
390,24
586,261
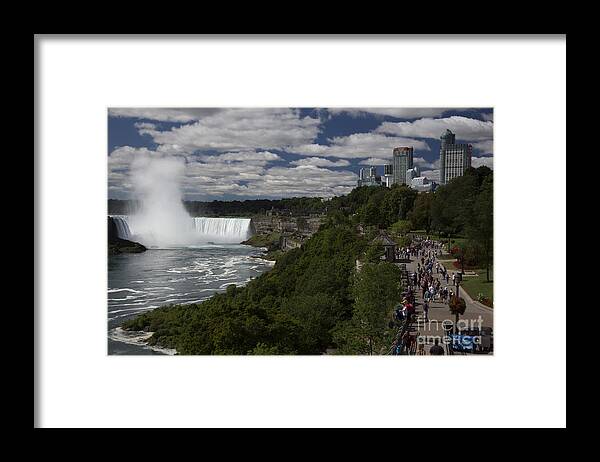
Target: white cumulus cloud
x,y
181,115
404,113
358,145
320,162
375,161
239,129
482,161
463,127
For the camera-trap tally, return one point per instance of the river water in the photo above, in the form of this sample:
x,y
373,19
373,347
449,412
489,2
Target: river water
x,y
162,276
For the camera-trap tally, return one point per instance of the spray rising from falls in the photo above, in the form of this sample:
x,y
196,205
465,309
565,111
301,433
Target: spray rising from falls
x,y
162,220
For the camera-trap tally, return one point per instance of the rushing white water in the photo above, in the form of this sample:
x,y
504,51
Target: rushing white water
x,y
228,230
194,231
123,230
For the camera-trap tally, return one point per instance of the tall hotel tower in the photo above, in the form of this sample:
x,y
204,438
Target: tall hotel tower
x,y
454,158
402,161
388,175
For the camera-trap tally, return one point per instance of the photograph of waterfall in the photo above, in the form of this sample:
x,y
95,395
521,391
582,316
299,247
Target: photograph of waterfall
x,y
265,214
300,231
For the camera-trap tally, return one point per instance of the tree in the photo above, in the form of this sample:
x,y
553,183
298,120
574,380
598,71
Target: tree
x,y
452,205
481,173
372,213
376,289
311,317
481,226
420,215
397,203
402,227
374,252
263,349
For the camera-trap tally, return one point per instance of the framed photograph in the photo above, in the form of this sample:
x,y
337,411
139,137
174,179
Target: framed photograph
x,y
223,223
300,231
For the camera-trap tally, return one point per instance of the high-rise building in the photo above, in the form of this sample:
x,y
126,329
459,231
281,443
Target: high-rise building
x,y
361,174
388,174
368,177
402,161
454,158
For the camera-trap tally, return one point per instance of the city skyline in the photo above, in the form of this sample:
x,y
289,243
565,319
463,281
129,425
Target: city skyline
x,y
454,159
238,154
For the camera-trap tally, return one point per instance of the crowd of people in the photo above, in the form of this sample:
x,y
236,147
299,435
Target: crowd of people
x,y
431,277
432,280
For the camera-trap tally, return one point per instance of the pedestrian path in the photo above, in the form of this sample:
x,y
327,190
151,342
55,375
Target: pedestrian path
x,y
475,314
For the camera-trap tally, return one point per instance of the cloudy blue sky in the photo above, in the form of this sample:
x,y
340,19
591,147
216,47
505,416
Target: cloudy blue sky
x,y
273,153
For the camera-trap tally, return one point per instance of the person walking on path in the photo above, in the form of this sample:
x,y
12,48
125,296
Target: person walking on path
x,y
436,350
426,310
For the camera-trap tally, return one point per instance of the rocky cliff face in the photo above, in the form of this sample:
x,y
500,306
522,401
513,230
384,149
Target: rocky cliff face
x,y
116,245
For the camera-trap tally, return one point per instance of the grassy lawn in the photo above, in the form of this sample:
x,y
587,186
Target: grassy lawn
x,y
478,284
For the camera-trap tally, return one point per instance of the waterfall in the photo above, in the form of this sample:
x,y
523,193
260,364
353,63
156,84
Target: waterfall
x,y
199,230
123,230
234,230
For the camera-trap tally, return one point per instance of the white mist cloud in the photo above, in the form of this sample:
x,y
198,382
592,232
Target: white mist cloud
x,y
162,219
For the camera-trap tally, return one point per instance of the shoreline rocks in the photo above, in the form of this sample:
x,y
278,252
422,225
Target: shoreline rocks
x,y
116,245
119,245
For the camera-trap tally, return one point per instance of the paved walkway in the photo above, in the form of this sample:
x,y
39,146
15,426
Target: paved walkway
x,y
439,311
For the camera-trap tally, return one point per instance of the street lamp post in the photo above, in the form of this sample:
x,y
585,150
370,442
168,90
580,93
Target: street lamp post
x,y
457,281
